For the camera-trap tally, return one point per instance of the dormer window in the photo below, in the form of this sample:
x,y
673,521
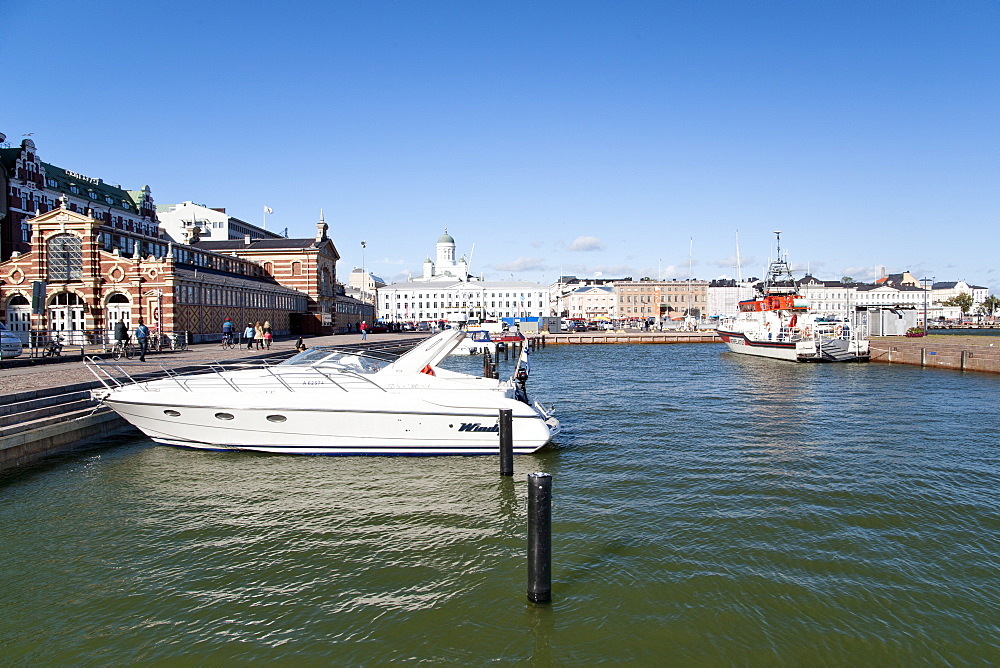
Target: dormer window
x,y
73,189
109,200
52,183
93,195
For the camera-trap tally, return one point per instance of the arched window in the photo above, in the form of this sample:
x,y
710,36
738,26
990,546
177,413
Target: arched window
x,y
65,255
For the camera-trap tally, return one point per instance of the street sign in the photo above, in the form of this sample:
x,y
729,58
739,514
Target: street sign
x,y
38,297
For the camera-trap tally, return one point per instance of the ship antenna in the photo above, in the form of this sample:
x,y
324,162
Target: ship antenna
x,y
739,269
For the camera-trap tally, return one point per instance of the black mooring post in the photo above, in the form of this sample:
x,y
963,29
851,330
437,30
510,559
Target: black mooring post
x,y
539,537
506,441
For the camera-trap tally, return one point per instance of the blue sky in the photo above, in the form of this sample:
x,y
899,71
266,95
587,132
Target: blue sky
x,y
620,138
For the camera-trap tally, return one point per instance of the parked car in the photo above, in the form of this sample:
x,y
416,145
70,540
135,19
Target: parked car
x,y
10,345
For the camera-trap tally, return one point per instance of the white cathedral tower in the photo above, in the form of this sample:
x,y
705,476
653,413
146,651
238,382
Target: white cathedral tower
x,y
446,268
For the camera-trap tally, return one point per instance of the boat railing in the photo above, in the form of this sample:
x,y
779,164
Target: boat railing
x,y
118,374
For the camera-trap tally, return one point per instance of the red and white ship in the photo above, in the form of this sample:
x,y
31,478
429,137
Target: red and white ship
x,y
778,323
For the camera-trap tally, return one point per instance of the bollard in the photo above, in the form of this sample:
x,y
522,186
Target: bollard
x,y
506,441
539,537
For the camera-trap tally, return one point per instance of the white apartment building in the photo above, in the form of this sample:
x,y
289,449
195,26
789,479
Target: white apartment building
x,y
895,291
460,301
591,302
179,220
566,285
366,283
724,297
946,290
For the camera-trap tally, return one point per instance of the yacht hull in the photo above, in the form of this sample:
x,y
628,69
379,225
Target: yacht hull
x,y
408,430
740,343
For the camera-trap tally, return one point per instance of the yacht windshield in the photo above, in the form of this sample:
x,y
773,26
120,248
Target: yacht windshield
x,y
338,359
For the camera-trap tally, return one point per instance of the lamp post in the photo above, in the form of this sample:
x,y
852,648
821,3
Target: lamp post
x,y
924,281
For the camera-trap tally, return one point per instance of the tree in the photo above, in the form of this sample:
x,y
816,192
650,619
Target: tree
x,y
989,306
962,300
847,280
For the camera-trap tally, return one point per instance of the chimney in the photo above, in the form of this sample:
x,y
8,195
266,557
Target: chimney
x,y
321,228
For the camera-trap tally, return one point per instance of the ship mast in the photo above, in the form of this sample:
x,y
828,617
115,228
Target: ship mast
x,y
779,273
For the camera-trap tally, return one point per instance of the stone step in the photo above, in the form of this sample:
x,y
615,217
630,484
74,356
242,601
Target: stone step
x,y
66,413
43,408
14,408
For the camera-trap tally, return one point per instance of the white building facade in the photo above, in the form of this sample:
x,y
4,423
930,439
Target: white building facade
x,y
724,297
179,220
459,302
592,302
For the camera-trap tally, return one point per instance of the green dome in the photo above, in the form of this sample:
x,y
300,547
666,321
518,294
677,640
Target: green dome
x,y
446,238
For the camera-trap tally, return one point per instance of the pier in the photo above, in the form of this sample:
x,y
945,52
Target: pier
x,y
961,353
630,337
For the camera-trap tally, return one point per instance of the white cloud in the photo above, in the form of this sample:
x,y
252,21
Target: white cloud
x,y
586,244
730,262
522,264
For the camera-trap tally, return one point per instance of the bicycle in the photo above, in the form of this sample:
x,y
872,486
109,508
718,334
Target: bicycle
x,y
123,348
228,342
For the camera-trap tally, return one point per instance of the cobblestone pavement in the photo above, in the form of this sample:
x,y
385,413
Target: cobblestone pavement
x,y
73,370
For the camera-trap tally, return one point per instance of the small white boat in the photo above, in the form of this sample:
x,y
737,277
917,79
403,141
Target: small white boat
x,y
333,401
476,342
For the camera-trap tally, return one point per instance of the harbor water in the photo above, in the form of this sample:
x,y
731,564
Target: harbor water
x,y
708,508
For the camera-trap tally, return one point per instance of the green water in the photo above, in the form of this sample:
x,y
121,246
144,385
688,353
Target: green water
x,y
708,508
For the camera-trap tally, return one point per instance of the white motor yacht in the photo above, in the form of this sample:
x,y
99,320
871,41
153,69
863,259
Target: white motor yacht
x,y
332,401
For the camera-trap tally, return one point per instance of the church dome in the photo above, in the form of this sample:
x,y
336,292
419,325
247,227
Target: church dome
x,y
446,238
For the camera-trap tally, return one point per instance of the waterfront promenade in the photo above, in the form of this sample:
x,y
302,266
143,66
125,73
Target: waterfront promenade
x,y
69,369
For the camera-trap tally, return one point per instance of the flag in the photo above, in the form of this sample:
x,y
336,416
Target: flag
x,y
268,209
524,362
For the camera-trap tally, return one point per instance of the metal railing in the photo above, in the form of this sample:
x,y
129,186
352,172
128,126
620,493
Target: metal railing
x,y
48,343
214,375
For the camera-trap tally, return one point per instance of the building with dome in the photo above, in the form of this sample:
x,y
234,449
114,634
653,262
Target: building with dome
x,y
447,293
445,268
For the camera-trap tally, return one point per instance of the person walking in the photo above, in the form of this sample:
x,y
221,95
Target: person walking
x,y
258,335
364,330
142,338
268,335
248,335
